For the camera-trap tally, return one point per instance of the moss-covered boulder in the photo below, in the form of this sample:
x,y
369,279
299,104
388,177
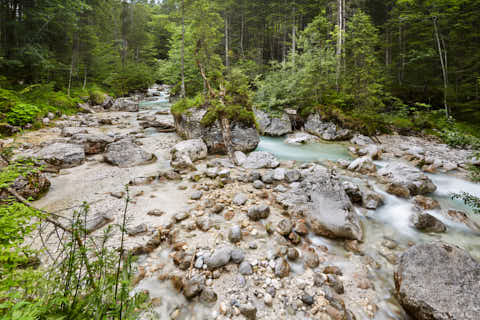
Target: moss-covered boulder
x,y
197,123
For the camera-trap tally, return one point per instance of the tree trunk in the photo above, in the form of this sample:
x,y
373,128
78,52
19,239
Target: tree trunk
x,y
182,89
339,43
443,62
294,36
241,34
227,62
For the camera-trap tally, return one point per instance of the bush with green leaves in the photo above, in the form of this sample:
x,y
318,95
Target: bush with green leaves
x,y
22,114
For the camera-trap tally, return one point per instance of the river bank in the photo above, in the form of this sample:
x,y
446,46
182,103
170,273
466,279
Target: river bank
x,y
236,241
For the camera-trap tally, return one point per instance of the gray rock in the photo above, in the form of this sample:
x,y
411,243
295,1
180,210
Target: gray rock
x,y
237,255
463,218
138,229
219,258
186,152
125,104
311,258
267,176
70,131
325,204
240,199
300,138
438,281
292,175
258,185
372,200
245,268
272,125
284,227
426,222
353,192
235,234
63,155
279,174
259,212
98,222
239,157
307,299
191,288
325,130
261,160
363,165
208,296
406,177
361,140
245,138
197,195
92,143
336,283
125,153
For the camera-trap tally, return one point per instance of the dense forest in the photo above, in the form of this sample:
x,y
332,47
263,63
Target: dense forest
x,y
397,68
397,59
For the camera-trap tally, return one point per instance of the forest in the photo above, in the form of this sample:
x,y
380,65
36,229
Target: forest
x,y
376,68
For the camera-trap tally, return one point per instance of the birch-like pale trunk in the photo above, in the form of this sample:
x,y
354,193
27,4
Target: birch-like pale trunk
x,y
442,54
182,54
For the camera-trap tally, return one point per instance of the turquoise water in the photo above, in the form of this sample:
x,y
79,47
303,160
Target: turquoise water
x,y
157,103
306,152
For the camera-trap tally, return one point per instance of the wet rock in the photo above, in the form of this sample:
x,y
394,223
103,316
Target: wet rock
x,y
235,234
390,244
63,155
398,190
284,227
219,258
438,281
125,153
301,228
353,246
259,212
325,130
353,192
363,165
403,177
294,238
98,222
92,143
189,125
463,218
261,160
372,200
311,258
426,222
426,203
186,152
300,138
272,125
245,268
249,311
182,215
282,268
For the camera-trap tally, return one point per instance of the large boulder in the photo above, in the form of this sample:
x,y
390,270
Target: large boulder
x,y
245,138
439,281
363,165
301,138
186,152
125,104
63,155
272,125
92,143
325,204
404,180
125,153
261,160
326,130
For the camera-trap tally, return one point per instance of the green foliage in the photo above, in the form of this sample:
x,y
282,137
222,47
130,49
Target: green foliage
x,y
133,77
21,167
22,113
183,105
469,200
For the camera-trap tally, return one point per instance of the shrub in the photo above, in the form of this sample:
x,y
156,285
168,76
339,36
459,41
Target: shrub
x,y
22,113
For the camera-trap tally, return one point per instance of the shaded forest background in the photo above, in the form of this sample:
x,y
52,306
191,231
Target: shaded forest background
x,y
400,59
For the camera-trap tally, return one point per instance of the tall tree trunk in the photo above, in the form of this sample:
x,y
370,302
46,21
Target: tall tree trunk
x,y
85,77
227,62
182,89
294,31
339,43
442,53
242,34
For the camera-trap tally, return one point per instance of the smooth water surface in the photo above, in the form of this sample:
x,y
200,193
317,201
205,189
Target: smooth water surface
x,y
304,152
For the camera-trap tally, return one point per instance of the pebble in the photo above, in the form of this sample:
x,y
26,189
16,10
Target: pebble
x,y
240,199
307,299
256,213
245,268
268,300
235,234
197,195
258,185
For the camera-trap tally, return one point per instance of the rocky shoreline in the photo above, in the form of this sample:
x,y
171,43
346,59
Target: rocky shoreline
x,y
268,238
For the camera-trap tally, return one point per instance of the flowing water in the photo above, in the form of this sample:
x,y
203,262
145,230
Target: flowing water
x,y
391,221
